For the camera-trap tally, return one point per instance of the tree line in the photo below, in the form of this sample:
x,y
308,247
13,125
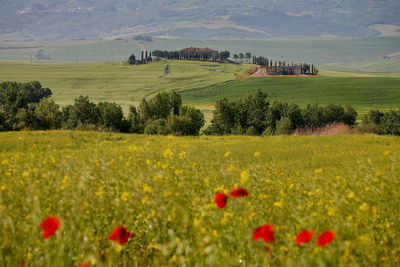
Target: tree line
x,y
255,115
224,55
145,58
30,106
309,69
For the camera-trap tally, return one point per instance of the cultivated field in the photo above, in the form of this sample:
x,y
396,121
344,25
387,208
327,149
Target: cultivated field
x,y
162,189
119,82
203,83
351,54
363,93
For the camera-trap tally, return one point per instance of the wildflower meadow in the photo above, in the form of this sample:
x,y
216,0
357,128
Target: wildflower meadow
x,y
104,199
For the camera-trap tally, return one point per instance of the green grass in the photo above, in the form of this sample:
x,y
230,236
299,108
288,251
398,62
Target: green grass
x,y
119,82
363,93
162,188
334,53
203,83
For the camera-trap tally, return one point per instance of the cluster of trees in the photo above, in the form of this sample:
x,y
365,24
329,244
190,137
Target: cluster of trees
x,y
308,69
381,122
29,106
242,57
254,115
224,55
144,59
165,114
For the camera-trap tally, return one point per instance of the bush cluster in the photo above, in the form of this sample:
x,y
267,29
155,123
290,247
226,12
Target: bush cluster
x,y
381,122
254,115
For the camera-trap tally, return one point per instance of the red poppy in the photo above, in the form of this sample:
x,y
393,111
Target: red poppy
x,y
265,232
239,192
50,226
120,235
325,238
23,262
304,237
221,200
84,264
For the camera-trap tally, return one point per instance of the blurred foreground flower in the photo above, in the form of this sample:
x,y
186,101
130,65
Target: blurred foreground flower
x,y
304,237
265,232
50,226
120,235
221,200
239,192
325,238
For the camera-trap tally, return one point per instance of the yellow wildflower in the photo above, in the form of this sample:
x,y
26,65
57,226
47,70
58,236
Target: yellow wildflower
x,y
125,196
364,207
182,155
318,170
244,177
147,188
168,153
231,168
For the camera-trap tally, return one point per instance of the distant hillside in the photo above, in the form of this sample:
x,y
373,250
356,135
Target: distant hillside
x,y
71,19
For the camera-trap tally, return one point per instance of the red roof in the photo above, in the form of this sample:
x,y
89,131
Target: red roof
x,y
193,49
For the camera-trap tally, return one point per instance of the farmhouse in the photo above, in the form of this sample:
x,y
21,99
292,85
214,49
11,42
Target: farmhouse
x,y
198,53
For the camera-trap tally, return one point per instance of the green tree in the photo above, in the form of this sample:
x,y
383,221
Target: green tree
x,y
241,56
132,59
257,110
158,54
48,114
83,112
12,99
248,56
390,123
25,119
111,115
136,124
196,117
224,55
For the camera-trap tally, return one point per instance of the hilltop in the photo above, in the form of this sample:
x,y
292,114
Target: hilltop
x,y
55,20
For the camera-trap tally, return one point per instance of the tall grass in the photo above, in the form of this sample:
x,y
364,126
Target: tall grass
x,y
162,189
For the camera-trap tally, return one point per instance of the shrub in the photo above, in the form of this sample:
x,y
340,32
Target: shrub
x,y
157,127
284,126
181,125
390,123
368,127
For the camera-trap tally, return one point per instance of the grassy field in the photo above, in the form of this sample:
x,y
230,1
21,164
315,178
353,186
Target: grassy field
x,y
363,93
333,53
162,189
119,82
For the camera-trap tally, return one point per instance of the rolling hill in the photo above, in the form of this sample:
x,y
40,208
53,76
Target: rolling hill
x,y
71,19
